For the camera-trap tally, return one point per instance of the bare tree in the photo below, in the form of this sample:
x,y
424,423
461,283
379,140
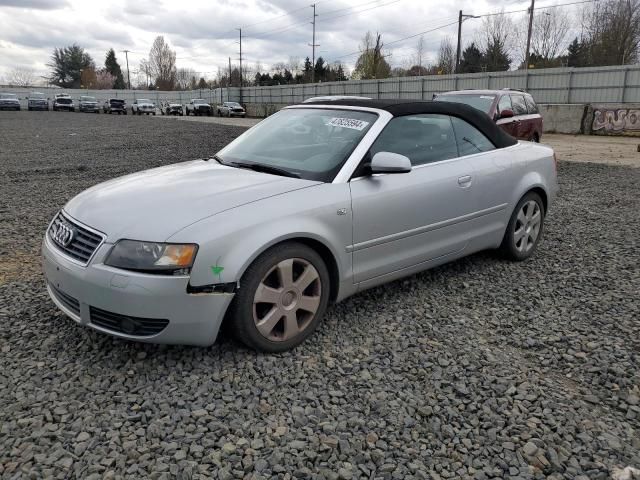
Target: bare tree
x,y
162,64
612,31
104,80
183,77
446,57
495,38
549,37
294,65
371,62
143,74
22,77
87,78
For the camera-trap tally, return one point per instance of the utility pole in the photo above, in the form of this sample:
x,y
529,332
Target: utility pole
x,y
126,54
313,46
240,32
229,82
461,18
526,58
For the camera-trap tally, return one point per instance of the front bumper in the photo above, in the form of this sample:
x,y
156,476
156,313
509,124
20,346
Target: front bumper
x,y
39,106
86,293
88,108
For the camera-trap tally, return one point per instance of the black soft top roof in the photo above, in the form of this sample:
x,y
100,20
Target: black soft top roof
x,y
399,108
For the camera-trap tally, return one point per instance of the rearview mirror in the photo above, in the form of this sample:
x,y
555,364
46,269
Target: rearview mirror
x,y
388,162
506,114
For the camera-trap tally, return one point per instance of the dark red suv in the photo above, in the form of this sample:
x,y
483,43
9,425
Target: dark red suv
x,y
514,110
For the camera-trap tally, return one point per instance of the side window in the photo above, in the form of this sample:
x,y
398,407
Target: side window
x,y
470,140
504,104
423,138
531,105
519,105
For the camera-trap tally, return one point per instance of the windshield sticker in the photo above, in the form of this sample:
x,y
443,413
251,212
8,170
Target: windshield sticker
x,y
348,123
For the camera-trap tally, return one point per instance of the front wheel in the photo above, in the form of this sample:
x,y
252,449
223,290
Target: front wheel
x,y
524,230
284,296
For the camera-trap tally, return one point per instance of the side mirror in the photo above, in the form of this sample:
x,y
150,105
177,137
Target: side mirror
x,y
506,114
388,162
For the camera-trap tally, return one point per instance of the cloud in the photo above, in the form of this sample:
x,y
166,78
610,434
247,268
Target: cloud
x,y
204,35
35,4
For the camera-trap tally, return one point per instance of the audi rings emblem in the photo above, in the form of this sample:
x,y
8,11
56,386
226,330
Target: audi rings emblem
x,y
62,233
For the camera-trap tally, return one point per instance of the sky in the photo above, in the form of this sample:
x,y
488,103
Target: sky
x,y
203,32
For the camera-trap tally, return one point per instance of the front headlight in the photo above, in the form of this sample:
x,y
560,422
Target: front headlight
x,y
151,257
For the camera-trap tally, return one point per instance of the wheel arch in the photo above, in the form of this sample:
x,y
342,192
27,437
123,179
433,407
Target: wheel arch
x,y
543,195
317,245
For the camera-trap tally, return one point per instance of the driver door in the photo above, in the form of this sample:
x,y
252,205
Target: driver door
x,y
404,221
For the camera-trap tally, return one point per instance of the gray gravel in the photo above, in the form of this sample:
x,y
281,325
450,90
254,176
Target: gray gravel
x,y
478,369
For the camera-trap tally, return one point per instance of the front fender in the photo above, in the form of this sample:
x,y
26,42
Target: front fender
x,y
231,240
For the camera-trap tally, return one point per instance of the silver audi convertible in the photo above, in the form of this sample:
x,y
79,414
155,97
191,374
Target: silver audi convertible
x,y
313,204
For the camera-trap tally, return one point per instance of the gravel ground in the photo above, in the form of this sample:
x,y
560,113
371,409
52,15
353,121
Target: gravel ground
x,y
478,369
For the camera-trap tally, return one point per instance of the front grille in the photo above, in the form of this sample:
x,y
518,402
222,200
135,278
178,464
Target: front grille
x,y
83,242
67,300
141,327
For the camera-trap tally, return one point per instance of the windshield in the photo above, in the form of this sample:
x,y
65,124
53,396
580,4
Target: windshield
x,y
481,102
232,104
88,99
311,143
38,96
64,101
116,100
8,96
199,100
143,100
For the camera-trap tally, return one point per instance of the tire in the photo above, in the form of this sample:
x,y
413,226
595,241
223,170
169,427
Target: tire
x,y
246,316
523,232
535,138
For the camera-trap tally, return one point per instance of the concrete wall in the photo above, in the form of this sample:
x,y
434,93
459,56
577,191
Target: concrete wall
x,y
614,119
563,118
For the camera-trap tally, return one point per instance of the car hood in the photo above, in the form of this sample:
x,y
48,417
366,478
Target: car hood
x,y
88,102
145,104
154,204
9,100
202,105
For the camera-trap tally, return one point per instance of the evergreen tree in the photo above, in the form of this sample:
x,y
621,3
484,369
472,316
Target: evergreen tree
x,y
306,71
576,54
496,57
66,64
112,66
320,70
471,60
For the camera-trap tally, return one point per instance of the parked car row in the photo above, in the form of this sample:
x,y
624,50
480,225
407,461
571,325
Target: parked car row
x,y
140,106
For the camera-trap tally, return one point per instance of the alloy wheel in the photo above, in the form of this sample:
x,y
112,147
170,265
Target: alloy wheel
x,y
527,226
287,299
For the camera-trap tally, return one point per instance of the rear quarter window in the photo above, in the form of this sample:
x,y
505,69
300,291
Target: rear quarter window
x,y
531,105
519,105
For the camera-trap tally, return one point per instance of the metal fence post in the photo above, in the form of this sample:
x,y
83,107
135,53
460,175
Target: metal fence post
x,y
624,85
378,89
422,88
569,86
526,80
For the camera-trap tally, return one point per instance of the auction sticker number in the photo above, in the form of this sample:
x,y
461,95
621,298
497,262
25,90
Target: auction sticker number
x,y
348,123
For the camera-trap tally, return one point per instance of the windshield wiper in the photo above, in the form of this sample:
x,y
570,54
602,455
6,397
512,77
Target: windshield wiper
x,y
216,158
261,167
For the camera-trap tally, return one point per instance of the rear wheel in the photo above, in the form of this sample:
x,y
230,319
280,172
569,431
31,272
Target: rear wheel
x,y
524,230
535,138
285,293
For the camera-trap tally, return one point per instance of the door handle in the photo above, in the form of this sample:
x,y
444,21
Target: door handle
x,y
464,181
